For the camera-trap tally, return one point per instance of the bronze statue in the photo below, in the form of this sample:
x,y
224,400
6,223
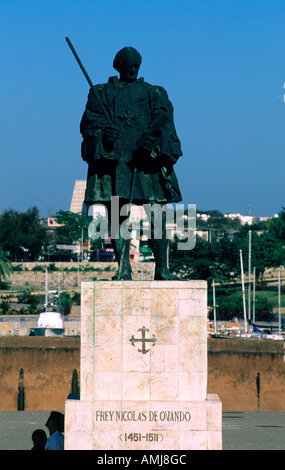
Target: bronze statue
x,y
130,145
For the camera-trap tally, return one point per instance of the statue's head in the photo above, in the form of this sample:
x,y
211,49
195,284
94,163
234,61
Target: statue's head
x,y
127,62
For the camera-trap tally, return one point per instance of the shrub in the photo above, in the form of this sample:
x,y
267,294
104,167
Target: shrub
x,y
4,307
76,298
18,267
4,285
52,267
66,301
26,297
38,268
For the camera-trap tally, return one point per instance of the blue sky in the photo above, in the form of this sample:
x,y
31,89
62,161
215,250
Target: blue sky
x,y
222,63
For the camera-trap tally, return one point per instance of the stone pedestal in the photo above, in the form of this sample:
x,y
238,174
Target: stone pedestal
x,y
143,369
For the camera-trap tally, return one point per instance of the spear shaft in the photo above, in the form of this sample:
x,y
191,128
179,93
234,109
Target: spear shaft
x,y
89,81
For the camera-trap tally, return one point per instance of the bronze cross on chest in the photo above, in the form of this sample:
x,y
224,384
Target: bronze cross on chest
x,y
143,340
128,115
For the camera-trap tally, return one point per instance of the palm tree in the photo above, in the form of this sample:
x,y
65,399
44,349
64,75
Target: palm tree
x,y
6,268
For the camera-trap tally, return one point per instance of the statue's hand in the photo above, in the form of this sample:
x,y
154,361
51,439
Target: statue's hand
x,y
110,137
112,134
148,142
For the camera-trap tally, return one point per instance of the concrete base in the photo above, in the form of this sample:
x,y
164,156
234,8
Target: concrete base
x,y
143,369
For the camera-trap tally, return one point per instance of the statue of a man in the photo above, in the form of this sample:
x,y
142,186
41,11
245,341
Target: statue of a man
x,y
113,151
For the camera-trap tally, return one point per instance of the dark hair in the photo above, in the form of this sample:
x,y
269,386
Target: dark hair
x,y
40,434
58,418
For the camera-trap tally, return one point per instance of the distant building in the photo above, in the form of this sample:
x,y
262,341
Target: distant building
x,y
203,217
247,219
77,200
77,204
52,222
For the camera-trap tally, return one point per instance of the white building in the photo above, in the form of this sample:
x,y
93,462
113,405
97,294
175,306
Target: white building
x,y
77,200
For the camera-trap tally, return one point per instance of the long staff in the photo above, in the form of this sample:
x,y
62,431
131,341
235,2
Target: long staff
x,y
110,123
90,82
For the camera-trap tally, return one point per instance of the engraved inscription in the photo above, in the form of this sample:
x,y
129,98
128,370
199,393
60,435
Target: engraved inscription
x,y
139,437
143,415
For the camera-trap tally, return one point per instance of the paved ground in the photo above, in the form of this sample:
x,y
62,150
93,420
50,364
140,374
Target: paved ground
x,y
253,431
241,430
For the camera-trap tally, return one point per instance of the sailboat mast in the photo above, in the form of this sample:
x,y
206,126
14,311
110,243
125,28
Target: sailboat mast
x,y
46,295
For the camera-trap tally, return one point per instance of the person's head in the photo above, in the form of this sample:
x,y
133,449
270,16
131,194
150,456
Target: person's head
x,y
127,62
39,439
55,422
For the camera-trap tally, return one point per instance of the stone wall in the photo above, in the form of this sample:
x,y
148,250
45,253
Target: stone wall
x,y
28,278
48,364
233,365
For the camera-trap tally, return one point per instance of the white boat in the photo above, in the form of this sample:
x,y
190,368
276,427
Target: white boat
x,y
50,321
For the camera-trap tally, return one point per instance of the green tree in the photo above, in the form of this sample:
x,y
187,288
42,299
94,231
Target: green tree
x,y
10,233
266,250
66,301
277,226
5,265
22,234
34,233
206,261
71,230
229,305
220,260
263,309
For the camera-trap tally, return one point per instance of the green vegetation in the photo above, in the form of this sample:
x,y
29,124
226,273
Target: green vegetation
x,y
24,237
22,234
5,264
220,261
71,228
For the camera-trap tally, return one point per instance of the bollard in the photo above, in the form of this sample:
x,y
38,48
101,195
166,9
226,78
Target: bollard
x,y
21,391
74,383
257,381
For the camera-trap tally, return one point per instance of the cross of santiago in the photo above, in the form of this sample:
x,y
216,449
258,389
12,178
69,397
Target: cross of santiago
x,y
128,115
143,340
